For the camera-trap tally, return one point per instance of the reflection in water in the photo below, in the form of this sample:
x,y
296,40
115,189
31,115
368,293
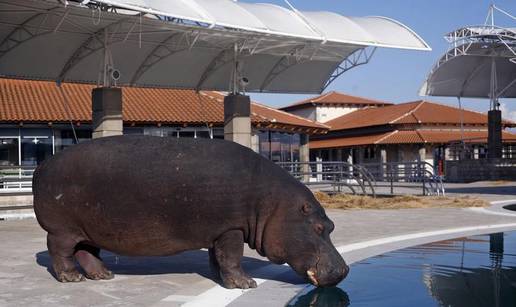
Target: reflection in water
x,y
322,297
476,271
493,285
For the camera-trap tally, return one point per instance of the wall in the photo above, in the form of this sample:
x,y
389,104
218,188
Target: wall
x,y
309,113
480,170
327,113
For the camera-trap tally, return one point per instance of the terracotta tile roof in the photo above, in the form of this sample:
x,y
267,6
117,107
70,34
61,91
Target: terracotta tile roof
x,y
417,112
262,114
433,136
336,98
348,141
38,101
410,137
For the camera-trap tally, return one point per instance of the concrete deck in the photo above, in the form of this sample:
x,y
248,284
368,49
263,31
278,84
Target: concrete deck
x,y
186,279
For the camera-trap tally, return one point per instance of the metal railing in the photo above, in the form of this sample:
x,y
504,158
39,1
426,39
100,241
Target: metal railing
x,y
363,179
407,175
335,175
16,179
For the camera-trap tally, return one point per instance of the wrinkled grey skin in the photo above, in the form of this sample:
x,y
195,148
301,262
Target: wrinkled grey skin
x,y
149,196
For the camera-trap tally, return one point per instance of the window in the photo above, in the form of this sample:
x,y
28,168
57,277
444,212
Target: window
x,y
202,134
280,147
218,133
133,131
295,146
66,138
8,151
186,134
153,131
171,133
265,144
369,153
35,150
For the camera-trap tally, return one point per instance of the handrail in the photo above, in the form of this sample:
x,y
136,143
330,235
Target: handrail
x,y
409,172
335,173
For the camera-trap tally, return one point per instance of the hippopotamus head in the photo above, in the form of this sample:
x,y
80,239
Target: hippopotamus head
x,y
299,234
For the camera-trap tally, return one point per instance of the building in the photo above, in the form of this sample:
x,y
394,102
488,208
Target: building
x,y
331,105
408,132
38,119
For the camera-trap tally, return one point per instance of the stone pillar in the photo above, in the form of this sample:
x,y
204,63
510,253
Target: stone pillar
x,y
383,161
494,146
107,112
447,154
383,155
319,168
304,156
255,143
422,154
237,119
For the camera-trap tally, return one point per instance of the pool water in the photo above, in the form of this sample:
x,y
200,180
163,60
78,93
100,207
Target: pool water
x,y
465,272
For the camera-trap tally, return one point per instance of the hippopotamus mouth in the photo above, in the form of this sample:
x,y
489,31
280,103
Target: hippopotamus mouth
x,y
330,279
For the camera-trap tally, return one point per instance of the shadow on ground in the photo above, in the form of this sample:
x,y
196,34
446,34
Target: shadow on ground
x,y
196,262
494,190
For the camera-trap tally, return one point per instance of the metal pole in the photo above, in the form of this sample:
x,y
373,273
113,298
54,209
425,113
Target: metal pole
x,y
424,186
461,128
106,60
392,180
235,89
494,81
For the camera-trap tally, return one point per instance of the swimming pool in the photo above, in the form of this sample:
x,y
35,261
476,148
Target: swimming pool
x,y
465,272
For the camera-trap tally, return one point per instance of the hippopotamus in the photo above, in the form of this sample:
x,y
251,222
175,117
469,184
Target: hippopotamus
x,y
153,196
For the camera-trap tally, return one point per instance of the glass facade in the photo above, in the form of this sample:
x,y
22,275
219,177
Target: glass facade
x,y
279,147
35,150
29,147
65,138
9,151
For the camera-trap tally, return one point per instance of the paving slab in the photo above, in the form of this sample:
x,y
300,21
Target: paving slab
x,y
186,279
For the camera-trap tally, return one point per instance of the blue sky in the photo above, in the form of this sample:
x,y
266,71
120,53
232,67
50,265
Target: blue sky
x,y
397,75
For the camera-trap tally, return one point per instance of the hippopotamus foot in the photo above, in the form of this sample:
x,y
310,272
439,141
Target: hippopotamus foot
x,y
89,259
61,251
69,276
227,254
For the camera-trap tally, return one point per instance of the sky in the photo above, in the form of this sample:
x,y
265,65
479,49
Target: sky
x,y
397,75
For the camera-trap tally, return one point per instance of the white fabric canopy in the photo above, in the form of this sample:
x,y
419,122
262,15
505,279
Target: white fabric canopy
x,y
478,57
188,43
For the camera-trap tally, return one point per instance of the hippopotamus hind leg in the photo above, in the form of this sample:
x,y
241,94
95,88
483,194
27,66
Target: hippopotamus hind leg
x,y
89,258
61,250
228,251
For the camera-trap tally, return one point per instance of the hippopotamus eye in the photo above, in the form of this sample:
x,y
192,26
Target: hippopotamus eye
x,y
319,228
306,209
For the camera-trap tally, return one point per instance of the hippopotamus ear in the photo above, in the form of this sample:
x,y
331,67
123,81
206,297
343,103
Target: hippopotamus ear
x,y
306,209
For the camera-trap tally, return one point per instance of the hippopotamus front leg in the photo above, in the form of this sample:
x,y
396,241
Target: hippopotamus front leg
x,y
227,253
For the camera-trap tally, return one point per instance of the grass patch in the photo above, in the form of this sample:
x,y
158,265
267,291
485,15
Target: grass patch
x,y
344,201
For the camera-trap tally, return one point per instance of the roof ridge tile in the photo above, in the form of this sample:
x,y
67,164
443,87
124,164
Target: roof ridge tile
x,y
386,137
